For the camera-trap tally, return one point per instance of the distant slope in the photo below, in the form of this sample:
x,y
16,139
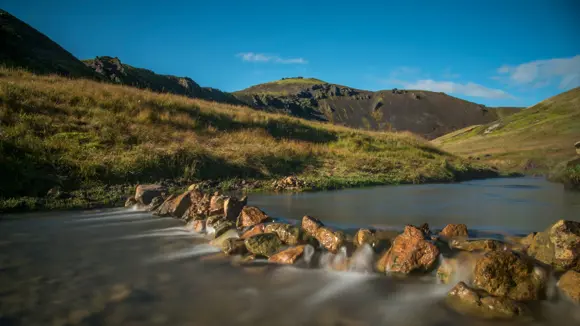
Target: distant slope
x,y
117,72
533,140
23,46
426,113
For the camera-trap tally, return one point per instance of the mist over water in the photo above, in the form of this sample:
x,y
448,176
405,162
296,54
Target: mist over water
x,y
125,267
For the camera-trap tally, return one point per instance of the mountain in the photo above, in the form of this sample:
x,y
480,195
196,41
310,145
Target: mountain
x,y
534,140
429,114
113,70
23,46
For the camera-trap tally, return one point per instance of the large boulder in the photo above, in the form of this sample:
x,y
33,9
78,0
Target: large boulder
x,y
409,252
289,234
454,230
251,216
477,245
265,244
558,246
329,239
569,284
506,274
145,193
288,256
469,301
233,207
310,225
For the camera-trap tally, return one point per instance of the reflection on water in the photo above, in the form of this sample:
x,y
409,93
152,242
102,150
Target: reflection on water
x,y
123,267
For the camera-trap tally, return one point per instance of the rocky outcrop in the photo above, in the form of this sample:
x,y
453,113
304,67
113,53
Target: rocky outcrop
x,y
569,284
477,245
506,274
558,246
310,225
144,194
329,239
469,301
288,256
454,230
410,251
265,244
251,216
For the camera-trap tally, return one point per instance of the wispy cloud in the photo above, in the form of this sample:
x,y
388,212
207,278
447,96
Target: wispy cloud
x,y
468,89
261,57
448,74
541,73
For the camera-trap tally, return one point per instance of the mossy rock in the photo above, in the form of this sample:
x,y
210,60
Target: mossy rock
x,y
265,244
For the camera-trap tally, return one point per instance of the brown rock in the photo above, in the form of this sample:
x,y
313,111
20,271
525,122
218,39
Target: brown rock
x,y
155,203
180,204
367,236
216,204
466,300
409,252
505,274
165,208
454,230
311,225
145,193
477,245
289,234
288,256
199,226
569,284
130,202
558,246
233,246
212,221
256,229
233,207
331,240
251,216
265,244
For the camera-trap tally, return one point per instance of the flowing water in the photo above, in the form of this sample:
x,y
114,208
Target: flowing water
x,y
125,267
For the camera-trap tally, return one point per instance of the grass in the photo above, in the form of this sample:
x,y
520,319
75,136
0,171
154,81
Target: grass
x,y
96,141
534,140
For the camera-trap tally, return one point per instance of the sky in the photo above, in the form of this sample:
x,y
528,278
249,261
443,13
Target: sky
x,y
497,53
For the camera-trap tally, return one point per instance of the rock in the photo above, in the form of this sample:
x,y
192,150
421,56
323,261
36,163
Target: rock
x,y
577,146
506,274
265,244
311,225
216,204
199,226
222,226
180,204
466,300
527,240
454,230
155,203
212,221
569,284
477,245
233,246
459,267
425,229
233,207
288,256
289,234
558,246
165,208
144,194
256,229
331,240
363,236
410,252
251,216
130,202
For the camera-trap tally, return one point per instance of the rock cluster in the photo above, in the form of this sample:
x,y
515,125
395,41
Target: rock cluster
x,y
490,278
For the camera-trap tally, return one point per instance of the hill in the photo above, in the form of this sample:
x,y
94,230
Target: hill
x,y
428,114
94,139
534,140
23,46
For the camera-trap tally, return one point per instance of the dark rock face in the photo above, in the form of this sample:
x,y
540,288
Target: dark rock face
x,y
410,252
504,273
233,207
144,194
265,244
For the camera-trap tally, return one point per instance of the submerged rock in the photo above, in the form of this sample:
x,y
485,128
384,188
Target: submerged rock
x,y
288,256
144,194
234,246
265,244
558,246
409,252
569,284
477,245
331,240
454,230
506,274
466,300
310,225
251,216
130,202
256,229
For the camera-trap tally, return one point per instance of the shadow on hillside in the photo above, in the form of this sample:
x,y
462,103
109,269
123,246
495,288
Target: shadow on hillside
x,y
280,128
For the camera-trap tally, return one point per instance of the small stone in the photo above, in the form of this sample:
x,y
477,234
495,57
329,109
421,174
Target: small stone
x,y
311,225
265,244
331,240
288,256
251,216
569,284
454,230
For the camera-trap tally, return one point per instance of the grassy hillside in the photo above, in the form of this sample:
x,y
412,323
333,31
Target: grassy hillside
x,y
533,140
94,140
429,114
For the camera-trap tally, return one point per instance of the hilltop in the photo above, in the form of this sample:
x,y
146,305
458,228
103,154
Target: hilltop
x,y
534,140
92,140
428,114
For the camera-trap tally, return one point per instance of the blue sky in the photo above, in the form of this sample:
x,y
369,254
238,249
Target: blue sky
x,y
508,53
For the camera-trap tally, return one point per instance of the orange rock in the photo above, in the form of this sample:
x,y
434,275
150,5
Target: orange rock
x,y
410,251
257,229
251,216
331,240
199,226
311,225
454,230
288,256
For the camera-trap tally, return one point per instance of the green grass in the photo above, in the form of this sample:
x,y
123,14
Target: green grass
x,y
96,141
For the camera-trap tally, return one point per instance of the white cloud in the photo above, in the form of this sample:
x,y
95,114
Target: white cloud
x,y
448,74
469,89
261,57
541,73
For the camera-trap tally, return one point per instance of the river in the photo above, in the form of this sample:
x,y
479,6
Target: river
x,y
126,267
